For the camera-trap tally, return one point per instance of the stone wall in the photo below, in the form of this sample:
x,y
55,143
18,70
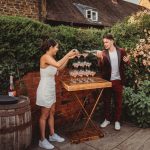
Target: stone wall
x,y
145,3
26,8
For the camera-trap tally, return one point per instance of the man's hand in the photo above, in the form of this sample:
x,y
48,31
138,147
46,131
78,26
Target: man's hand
x,y
126,59
99,54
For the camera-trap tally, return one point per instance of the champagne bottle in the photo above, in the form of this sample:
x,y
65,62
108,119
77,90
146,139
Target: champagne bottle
x,y
11,91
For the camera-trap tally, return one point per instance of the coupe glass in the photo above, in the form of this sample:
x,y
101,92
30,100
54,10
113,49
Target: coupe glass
x,y
92,74
73,75
85,55
87,73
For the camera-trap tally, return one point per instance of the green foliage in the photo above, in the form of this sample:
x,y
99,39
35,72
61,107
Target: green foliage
x,y
137,104
128,32
81,39
21,38
134,35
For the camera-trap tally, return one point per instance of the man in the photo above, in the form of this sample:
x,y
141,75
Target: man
x,y
111,63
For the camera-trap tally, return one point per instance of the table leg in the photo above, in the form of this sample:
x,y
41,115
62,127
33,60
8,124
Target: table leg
x,y
89,116
80,111
84,110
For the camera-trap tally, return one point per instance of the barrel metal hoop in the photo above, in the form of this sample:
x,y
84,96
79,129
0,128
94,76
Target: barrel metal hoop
x,y
16,128
15,112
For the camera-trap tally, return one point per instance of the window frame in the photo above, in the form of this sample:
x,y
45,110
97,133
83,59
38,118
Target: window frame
x,y
91,14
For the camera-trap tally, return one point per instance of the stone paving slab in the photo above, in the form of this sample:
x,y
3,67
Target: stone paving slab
x,y
129,138
138,141
113,138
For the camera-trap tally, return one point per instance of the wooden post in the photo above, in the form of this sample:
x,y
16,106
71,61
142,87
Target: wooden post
x,y
43,9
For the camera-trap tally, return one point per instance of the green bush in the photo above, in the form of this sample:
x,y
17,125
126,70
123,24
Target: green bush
x,y
21,38
134,35
129,31
137,104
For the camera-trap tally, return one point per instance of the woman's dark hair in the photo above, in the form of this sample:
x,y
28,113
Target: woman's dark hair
x,y
108,36
47,44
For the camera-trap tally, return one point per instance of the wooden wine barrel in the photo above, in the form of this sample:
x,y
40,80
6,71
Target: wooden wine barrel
x,y
15,125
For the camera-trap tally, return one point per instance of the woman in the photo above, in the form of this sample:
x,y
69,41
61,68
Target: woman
x,y
46,94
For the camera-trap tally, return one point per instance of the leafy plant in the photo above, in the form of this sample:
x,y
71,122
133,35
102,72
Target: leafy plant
x,y
137,104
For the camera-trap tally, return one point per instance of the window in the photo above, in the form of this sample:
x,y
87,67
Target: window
x,y
88,14
93,15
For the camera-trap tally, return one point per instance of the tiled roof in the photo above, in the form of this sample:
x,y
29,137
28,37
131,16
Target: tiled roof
x,y
69,11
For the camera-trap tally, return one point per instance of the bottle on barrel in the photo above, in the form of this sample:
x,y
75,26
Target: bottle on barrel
x,y
11,91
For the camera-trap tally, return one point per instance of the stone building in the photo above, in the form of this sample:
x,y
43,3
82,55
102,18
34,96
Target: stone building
x,y
26,8
145,3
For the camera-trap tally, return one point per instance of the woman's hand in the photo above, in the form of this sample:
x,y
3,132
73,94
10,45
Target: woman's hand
x,y
99,54
73,53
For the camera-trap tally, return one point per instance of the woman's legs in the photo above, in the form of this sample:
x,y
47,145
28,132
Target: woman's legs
x,y
43,117
51,119
53,136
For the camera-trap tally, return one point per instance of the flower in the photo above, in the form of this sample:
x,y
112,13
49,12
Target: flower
x,y
148,39
134,55
137,46
142,40
145,30
136,60
141,53
144,62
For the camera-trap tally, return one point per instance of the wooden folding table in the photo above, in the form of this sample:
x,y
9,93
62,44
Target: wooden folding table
x,y
86,133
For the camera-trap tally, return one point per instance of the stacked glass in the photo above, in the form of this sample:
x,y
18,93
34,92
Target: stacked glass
x,y
81,72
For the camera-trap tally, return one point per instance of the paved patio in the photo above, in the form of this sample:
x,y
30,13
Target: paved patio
x,y
129,137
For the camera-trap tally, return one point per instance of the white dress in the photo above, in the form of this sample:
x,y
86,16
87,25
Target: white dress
x,y
46,91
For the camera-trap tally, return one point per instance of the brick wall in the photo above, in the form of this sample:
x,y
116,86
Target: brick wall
x,y
26,8
66,106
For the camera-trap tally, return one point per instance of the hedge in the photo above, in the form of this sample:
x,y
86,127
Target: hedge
x,y
20,42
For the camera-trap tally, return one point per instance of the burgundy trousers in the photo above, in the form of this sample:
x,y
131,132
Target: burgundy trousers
x,y
115,92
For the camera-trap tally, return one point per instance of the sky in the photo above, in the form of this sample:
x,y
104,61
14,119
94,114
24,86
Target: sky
x,y
133,1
